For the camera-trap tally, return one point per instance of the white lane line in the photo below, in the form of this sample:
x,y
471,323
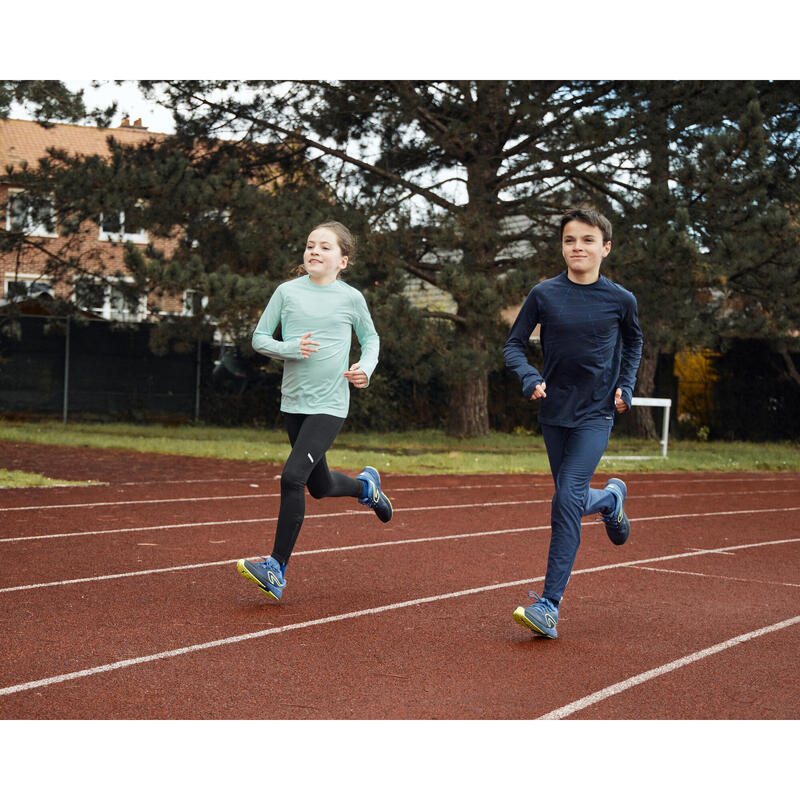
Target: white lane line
x,y
240,496
347,513
425,488
140,502
131,662
340,549
711,575
396,510
727,550
166,527
616,688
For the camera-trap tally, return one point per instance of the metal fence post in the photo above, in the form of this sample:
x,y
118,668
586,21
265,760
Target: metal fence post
x,y
66,374
197,382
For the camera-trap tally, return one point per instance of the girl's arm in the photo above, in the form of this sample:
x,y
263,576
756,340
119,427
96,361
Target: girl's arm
x,y
262,336
367,338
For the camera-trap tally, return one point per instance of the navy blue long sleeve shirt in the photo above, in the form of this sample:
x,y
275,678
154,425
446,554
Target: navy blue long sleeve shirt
x,y
591,343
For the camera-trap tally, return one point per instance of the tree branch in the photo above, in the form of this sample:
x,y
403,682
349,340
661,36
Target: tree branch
x,y
364,165
445,315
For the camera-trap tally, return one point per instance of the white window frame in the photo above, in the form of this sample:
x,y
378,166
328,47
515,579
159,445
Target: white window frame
x,y
27,228
107,309
136,237
186,307
29,280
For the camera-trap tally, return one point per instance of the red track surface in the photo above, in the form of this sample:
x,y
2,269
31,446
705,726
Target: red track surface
x,y
121,600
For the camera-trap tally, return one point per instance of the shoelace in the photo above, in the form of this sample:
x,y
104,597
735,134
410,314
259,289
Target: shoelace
x,y
538,598
548,606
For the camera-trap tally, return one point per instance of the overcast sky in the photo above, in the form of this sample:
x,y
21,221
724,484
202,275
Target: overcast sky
x,y
130,104
86,40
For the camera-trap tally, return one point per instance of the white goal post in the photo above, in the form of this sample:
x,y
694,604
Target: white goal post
x,y
664,403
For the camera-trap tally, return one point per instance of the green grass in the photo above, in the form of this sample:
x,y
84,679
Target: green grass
x,y
413,452
16,479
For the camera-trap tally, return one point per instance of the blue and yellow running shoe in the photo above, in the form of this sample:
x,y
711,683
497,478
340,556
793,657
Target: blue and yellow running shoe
x,y
541,617
618,526
372,495
266,573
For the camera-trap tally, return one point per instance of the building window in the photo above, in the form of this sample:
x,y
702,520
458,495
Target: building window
x,y
193,303
29,214
124,305
90,296
111,301
121,226
18,288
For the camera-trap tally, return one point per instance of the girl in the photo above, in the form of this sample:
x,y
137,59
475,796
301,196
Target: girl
x,y
317,313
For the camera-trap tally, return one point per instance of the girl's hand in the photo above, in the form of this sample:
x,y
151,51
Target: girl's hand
x,y
357,376
619,403
539,391
307,346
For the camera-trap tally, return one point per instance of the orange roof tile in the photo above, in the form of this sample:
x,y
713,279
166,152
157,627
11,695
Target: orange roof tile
x,y
24,141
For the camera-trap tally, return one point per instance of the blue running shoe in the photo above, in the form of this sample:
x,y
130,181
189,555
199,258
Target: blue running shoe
x,y
541,617
618,526
266,573
373,496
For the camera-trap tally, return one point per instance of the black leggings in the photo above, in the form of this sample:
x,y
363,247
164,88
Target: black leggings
x,y
311,435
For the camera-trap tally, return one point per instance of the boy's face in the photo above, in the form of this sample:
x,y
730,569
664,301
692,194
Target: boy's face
x,y
583,248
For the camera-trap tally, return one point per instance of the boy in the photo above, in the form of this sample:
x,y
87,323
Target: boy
x,y
591,345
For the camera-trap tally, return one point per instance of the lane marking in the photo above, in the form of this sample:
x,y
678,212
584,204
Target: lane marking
x,y
139,502
232,497
348,513
131,662
211,498
719,577
319,551
367,512
616,688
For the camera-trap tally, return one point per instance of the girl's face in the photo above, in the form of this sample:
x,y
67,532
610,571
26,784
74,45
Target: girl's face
x,y
323,259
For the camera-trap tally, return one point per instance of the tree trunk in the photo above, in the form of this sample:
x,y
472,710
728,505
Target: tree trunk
x,y
645,383
791,369
469,406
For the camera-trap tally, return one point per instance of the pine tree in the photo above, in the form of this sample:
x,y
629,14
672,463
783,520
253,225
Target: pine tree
x,y
50,101
456,183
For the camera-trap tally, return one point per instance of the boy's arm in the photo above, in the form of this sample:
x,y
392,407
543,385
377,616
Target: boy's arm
x,y
631,351
516,347
367,337
262,340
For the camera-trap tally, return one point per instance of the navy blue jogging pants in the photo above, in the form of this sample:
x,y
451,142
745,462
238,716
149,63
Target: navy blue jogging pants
x,y
574,454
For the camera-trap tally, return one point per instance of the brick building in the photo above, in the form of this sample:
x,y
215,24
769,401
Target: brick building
x,y
24,271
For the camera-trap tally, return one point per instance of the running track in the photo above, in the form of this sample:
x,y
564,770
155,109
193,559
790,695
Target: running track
x,y
121,600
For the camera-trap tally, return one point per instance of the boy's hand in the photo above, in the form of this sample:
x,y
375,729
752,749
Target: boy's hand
x,y
357,376
620,404
307,346
539,391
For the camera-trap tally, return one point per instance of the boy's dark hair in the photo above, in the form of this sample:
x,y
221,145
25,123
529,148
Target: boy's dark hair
x,y
590,217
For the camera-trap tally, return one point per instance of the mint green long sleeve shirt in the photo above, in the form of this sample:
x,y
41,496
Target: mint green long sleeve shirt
x,y
316,385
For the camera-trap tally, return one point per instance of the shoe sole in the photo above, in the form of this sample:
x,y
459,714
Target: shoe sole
x,y
522,618
391,510
241,568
